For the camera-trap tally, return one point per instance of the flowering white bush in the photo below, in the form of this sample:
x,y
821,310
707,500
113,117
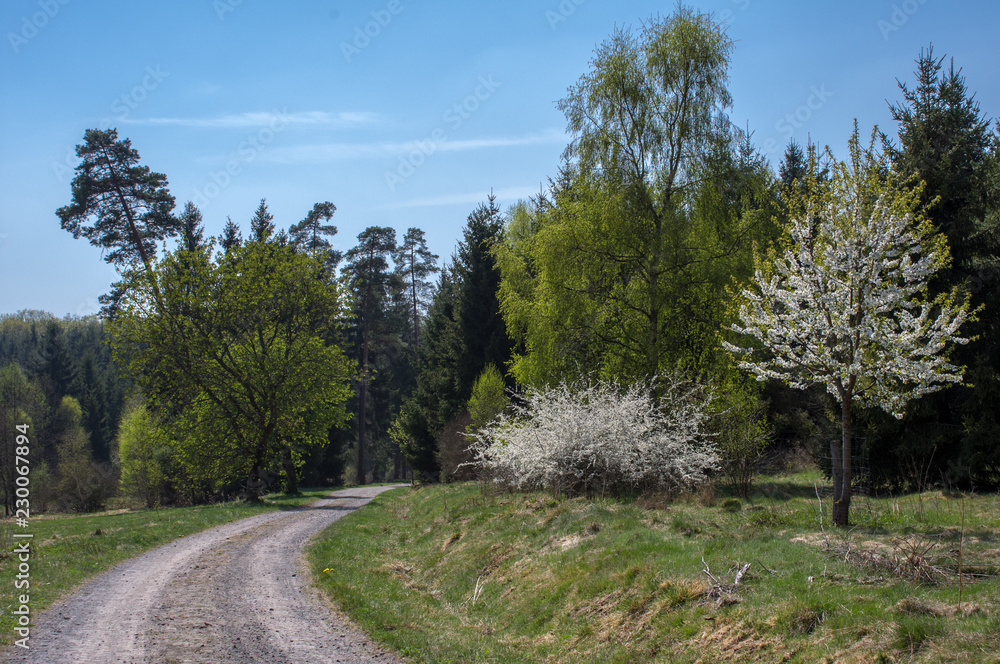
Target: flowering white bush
x,y
599,436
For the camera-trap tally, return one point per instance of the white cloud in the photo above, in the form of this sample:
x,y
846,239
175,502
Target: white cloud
x,y
326,152
509,195
263,119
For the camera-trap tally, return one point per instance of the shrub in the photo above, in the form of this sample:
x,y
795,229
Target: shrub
x,y
743,434
573,438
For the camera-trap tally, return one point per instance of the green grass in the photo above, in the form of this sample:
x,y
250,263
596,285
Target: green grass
x,y
450,574
66,549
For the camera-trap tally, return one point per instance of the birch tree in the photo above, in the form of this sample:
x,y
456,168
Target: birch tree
x,y
847,304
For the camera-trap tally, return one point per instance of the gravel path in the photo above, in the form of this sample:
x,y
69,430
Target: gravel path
x,y
237,593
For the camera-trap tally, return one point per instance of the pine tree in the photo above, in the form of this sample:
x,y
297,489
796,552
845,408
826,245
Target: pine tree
x,y
55,366
128,205
794,166
367,263
463,333
481,325
414,264
311,233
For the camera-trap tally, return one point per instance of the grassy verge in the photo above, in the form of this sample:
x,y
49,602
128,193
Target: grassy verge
x,y
448,574
66,550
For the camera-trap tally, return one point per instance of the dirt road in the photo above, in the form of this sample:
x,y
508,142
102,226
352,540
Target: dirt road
x,y
237,593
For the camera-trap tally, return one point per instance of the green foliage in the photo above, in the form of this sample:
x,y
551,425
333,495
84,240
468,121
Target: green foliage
x,y
373,286
657,210
311,233
128,205
192,228
120,206
237,356
463,333
945,142
262,223
66,357
489,397
742,433
231,236
143,451
415,263
21,402
82,485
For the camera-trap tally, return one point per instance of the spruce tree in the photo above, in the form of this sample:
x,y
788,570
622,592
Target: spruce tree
x,y
192,228
262,223
945,142
231,236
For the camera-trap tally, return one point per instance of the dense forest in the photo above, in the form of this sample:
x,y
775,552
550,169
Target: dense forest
x,y
235,365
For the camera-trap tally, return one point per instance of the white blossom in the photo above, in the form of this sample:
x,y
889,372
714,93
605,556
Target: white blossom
x,y
846,305
599,436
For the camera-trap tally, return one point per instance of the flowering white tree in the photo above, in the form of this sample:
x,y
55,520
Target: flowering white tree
x,y
846,304
571,438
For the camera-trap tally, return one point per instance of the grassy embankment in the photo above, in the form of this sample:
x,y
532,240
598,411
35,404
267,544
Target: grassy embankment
x,y
67,549
448,574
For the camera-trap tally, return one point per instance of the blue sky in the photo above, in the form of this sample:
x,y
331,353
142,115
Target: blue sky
x,y
402,112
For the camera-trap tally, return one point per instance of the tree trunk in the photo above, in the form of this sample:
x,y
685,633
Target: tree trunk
x,y
291,473
413,293
363,407
255,484
842,469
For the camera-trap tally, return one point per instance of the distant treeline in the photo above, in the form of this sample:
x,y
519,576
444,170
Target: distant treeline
x,y
58,376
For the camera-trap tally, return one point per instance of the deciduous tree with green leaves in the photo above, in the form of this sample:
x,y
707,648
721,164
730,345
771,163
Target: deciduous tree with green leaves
x,y
623,271
237,356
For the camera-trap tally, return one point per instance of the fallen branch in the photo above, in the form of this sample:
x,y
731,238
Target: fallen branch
x,y
724,593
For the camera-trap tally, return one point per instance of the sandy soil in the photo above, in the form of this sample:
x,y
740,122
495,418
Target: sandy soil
x,y
237,593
